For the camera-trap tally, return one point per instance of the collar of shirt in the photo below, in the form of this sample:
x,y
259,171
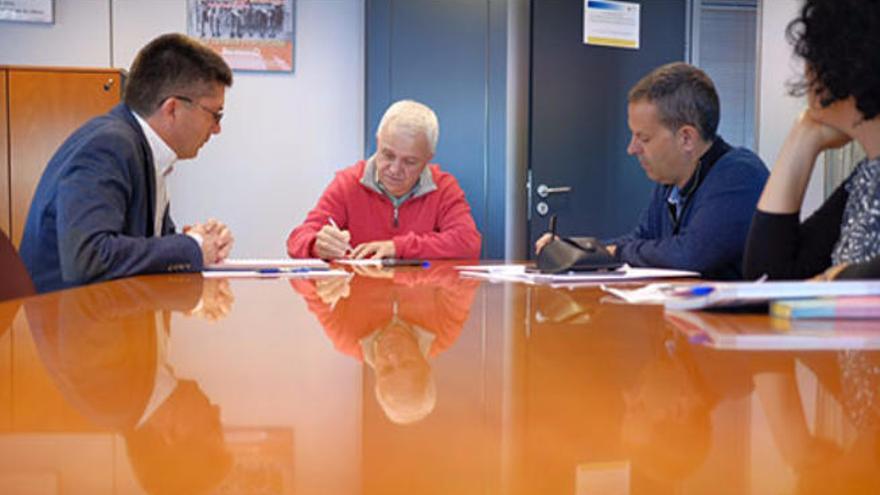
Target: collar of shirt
x,y
718,149
164,382
163,156
675,200
423,186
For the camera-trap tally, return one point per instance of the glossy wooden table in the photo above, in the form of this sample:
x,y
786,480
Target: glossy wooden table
x,y
413,381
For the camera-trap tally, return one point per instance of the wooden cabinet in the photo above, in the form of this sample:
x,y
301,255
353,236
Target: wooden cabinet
x,y
41,107
4,157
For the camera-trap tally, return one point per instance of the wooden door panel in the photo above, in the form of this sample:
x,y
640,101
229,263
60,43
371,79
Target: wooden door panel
x,y
46,106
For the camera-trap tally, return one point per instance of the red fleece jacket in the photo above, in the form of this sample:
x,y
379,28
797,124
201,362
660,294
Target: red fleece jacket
x,y
435,225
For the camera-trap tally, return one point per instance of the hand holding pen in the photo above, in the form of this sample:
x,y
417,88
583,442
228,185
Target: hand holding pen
x,y
332,242
547,237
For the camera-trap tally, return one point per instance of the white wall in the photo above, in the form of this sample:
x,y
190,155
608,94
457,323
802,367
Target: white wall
x,y
80,37
776,109
283,135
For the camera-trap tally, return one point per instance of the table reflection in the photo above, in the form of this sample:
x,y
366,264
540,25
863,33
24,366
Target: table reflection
x,y
417,381
395,321
833,446
671,403
106,349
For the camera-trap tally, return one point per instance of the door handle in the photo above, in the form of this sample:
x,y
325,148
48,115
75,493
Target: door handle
x,y
544,190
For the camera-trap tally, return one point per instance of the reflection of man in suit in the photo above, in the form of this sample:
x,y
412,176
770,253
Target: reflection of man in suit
x,y
394,321
106,349
8,312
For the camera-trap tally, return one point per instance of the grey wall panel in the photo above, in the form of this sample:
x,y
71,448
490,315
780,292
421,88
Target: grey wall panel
x,y
451,56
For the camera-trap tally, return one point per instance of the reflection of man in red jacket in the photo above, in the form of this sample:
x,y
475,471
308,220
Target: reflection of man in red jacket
x,y
394,204
394,321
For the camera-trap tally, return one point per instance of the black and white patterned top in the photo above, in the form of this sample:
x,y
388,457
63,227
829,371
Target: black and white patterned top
x,y
859,239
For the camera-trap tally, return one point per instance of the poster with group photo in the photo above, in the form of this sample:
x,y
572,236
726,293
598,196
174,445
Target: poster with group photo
x,y
251,35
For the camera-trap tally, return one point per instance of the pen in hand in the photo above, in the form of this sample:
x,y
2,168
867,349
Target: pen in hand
x,y
348,248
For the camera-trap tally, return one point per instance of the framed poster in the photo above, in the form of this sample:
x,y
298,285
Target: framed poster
x,y
27,11
251,35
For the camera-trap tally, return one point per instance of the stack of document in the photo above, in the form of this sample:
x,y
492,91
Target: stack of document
x,y
522,273
729,294
864,307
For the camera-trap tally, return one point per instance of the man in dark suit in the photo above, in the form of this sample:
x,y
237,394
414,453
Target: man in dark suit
x,y
100,210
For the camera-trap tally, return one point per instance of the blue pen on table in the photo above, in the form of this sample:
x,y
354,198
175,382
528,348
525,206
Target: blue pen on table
x,y
310,269
405,262
699,338
691,291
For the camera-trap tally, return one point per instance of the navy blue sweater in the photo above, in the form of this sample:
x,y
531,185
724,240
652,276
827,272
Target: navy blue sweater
x,y
715,221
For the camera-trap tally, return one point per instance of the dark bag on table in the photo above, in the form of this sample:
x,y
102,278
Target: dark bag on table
x,y
575,254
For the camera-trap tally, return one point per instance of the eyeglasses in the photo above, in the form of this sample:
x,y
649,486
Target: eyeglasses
x,y
218,116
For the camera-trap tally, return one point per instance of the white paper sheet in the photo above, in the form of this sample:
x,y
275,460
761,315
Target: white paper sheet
x,y
280,273
518,273
266,263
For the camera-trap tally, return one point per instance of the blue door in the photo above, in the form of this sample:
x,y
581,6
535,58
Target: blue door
x,y
578,120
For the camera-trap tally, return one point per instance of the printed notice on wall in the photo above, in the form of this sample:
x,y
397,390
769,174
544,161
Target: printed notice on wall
x,y
27,11
608,23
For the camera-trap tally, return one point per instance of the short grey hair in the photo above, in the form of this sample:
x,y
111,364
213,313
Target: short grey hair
x,y
683,95
414,117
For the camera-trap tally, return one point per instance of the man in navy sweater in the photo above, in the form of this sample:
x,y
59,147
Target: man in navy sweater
x,y
101,209
706,192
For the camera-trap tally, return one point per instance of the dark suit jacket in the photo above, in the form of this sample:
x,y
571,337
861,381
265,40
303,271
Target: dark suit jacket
x,y
91,218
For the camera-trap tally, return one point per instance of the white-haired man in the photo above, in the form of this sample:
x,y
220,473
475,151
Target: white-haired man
x,y
395,204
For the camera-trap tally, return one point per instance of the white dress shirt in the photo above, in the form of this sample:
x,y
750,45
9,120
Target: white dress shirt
x,y
163,161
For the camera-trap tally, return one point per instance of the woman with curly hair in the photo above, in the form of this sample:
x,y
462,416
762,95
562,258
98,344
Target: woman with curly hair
x,y
839,41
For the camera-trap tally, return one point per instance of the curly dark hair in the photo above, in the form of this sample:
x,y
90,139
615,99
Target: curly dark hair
x,y
840,42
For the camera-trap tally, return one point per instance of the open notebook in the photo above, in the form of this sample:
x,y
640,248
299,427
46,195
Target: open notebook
x,y
730,294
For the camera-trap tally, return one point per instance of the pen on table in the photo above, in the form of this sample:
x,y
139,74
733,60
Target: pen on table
x,y
699,338
332,222
293,270
694,291
405,262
